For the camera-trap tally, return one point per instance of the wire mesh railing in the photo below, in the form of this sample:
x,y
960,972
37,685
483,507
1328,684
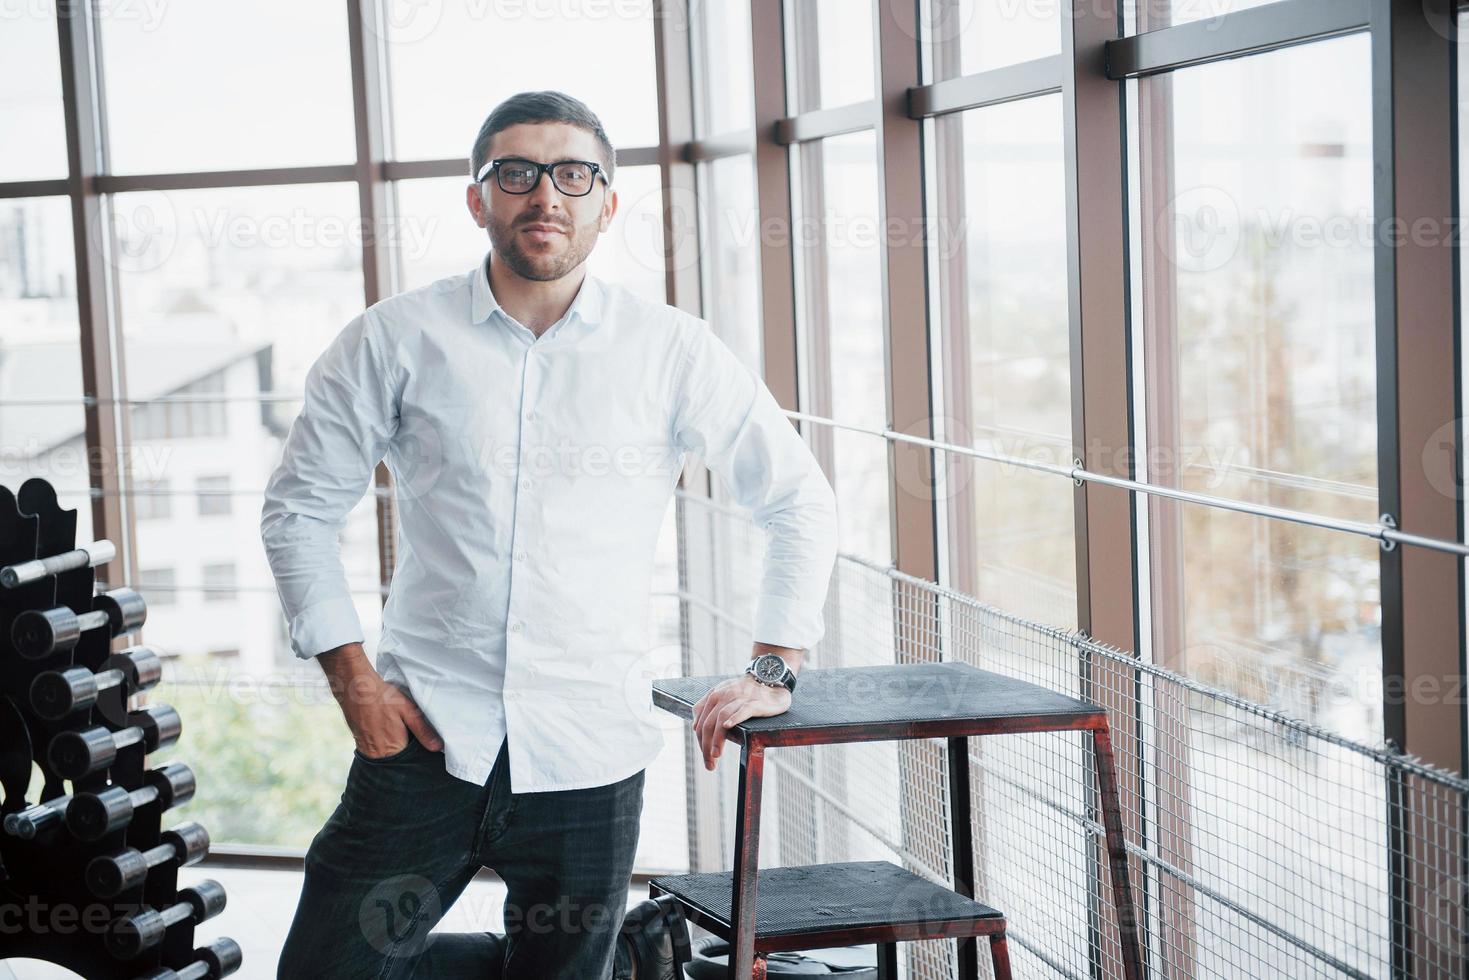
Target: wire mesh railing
x,y
1261,845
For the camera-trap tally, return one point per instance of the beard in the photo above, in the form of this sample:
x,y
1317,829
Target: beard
x,y
541,261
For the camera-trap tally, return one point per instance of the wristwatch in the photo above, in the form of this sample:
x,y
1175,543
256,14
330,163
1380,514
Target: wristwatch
x,y
771,669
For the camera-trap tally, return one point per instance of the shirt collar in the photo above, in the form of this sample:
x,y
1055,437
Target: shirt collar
x,y
587,305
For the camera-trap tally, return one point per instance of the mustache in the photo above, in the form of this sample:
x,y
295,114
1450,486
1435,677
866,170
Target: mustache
x,y
561,225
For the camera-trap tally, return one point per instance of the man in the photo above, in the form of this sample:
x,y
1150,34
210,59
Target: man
x,y
535,420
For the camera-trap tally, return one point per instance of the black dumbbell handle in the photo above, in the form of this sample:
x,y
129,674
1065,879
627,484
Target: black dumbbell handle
x,y
126,805
77,754
223,957
58,693
37,633
26,572
141,666
108,875
92,816
220,958
33,819
132,934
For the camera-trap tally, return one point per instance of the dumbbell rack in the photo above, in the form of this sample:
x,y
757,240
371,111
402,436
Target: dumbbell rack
x,y
877,902
42,884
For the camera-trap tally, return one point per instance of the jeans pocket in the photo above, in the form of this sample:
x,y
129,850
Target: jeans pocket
x,y
390,757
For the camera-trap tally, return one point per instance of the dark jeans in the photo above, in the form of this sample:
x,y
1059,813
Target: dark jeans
x,y
406,839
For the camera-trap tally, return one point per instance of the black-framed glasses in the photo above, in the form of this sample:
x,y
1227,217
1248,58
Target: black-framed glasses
x,y
517,175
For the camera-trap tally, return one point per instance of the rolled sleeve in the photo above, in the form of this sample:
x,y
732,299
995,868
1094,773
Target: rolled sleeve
x,y
727,415
347,420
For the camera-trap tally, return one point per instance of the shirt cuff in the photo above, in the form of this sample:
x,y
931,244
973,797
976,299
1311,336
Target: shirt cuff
x,y
325,626
785,622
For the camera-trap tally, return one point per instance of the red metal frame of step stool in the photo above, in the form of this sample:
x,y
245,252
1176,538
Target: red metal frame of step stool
x,y
949,700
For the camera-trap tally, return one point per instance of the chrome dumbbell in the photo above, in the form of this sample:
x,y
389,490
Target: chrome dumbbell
x,y
58,693
109,875
77,754
92,816
38,633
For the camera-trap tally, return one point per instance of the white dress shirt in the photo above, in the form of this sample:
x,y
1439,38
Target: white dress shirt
x,y
532,476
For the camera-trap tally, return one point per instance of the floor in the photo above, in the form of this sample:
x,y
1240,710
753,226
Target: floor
x,y
259,912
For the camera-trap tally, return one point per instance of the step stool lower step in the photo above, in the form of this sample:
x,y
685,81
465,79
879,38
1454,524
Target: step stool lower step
x,y
851,903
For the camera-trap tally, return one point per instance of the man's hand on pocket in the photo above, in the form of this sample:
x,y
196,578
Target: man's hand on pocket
x,y
379,715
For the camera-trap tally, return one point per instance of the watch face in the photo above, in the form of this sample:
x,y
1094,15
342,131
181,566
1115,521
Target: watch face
x,y
770,669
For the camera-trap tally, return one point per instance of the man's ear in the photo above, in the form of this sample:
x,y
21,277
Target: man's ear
x,y
608,210
478,209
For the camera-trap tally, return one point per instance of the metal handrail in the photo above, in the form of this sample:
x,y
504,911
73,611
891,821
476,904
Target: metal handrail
x,y
1385,531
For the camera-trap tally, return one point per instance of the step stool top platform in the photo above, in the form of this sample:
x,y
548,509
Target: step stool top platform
x,y
846,704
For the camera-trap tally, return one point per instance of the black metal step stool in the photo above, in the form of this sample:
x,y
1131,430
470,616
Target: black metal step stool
x,y
863,902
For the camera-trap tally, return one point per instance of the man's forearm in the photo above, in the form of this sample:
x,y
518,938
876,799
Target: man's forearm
x,y
346,668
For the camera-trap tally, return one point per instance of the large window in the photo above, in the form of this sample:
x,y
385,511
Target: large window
x,y
833,64
723,86
838,242
189,89
30,76
1165,12
1257,230
42,425
730,233
980,35
452,62
1001,255
227,297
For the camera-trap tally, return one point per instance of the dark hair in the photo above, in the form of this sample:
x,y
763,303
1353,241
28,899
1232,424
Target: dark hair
x,y
539,107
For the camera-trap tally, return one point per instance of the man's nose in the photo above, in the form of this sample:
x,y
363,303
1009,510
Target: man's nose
x,y
545,194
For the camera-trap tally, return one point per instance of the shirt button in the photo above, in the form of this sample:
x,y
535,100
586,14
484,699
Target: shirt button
x,y
520,556
530,416
516,628
525,484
